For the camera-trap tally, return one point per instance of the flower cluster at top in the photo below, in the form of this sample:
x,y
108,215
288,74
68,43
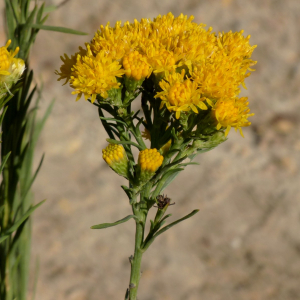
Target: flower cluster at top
x,y
11,68
192,68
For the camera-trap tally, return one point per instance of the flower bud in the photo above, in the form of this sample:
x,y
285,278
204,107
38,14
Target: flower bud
x,y
136,70
116,158
148,163
11,68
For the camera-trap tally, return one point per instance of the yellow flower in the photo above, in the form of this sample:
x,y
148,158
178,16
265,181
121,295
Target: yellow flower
x,y
161,60
196,46
150,160
221,74
236,45
136,66
94,75
232,113
120,40
180,94
216,65
68,64
115,156
11,68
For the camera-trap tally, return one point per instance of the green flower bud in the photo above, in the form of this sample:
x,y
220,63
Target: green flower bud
x,y
115,157
148,163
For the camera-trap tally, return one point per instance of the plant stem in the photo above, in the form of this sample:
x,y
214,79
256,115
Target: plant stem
x,y
136,262
140,210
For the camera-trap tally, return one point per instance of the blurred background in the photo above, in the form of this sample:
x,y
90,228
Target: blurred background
x,y
244,244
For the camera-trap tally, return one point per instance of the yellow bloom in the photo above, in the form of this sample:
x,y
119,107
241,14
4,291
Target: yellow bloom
x,y
180,94
150,160
11,68
232,113
115,156
120,40
196,46
221,74
136,66
216,65
236,45
94,75
161,60
66,69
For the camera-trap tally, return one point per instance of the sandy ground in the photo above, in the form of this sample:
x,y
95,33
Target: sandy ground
x,y
244,244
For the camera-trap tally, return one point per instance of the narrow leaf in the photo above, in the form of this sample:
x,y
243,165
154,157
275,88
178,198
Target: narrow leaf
x,y
168,227
113,119
57,29
20,221
176,222
124,143
33,178
167,178
127,190
4,161
50,8
187,164
106,225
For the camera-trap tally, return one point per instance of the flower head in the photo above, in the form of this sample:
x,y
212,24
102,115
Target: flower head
x,y
180,94
150,160
225,69
11,68
66,69
136,66
93,75
232,113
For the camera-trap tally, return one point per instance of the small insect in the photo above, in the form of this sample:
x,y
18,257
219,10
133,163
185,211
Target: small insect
x,y
162,201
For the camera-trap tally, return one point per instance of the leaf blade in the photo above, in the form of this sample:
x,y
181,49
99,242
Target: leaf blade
x,y
106,225
57,29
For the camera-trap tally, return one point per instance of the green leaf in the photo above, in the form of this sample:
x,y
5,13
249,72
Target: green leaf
x,y
32,179
37,267
168,227
19,222
167,178
57,29
127,190
107,128
189,163
106,225
4,161
40,13
50,8
113,119
124,143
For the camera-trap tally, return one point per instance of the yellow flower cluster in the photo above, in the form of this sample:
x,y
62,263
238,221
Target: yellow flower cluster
x,y
113,153
150,160
215,66
11,68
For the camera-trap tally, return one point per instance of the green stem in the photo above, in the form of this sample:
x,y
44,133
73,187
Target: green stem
x,y
136,262
140,210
